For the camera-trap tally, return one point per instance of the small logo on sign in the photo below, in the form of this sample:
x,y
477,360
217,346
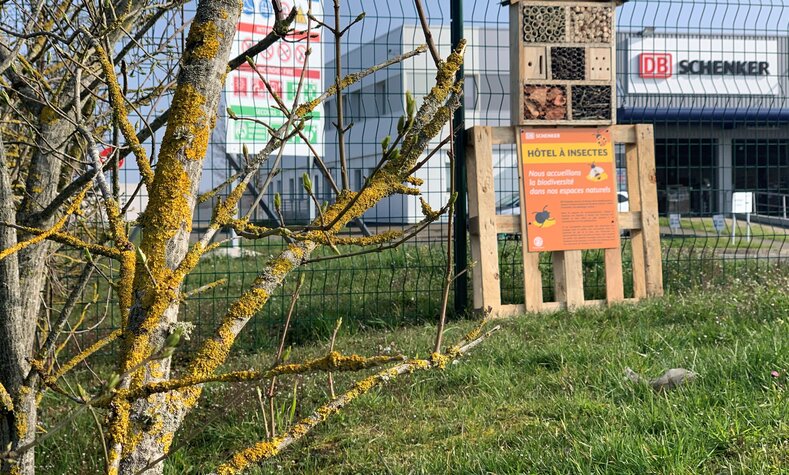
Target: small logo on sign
x,y
655,65
529,135
538,242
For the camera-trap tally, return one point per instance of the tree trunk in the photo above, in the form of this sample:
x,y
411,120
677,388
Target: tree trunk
x,y
168,223
25,272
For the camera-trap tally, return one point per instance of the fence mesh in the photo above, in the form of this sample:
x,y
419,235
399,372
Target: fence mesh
x,y
721,127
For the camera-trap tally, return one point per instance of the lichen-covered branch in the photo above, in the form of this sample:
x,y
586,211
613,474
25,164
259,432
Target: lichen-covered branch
x,y
168,222
71,240
84,354
52,230
263,451
334,361
120,114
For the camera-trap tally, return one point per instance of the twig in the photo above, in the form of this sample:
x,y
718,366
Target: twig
x,y
331,348
281,349
428,34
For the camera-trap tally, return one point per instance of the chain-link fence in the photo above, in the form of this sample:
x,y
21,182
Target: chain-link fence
x,y
712,76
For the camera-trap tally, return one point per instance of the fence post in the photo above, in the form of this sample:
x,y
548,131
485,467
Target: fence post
x,y
461,208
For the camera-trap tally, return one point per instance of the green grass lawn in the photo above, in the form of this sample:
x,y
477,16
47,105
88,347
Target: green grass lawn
x,y
700,233
544,395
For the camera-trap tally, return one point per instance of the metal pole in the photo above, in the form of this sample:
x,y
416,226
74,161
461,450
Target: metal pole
x,y
461,211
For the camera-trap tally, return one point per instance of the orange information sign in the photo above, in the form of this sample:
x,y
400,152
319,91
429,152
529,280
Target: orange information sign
x,y
569,189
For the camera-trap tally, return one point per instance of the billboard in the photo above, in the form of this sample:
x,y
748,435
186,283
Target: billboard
x,y
703,65
281,65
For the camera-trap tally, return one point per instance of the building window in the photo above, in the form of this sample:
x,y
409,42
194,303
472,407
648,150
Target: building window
x,y
762,166
687,175
470,92
380,97
357,179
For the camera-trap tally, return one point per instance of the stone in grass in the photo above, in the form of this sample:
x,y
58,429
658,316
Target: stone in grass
x,y
671,379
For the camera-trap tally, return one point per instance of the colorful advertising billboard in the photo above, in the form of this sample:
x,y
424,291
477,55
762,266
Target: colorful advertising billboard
x,y
281,65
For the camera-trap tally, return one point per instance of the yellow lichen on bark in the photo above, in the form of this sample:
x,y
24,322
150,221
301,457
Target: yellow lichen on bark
x,y
118,430
48,116
6,400
121,115
20,415
203,41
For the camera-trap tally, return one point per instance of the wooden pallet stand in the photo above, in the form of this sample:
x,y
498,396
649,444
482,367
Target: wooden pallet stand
x,y
485,225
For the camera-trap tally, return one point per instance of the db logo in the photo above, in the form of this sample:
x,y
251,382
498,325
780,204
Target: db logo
x,y
655,65
529,136
538,242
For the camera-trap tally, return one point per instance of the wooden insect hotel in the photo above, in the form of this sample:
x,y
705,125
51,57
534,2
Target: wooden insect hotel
x,y
563,95
563,62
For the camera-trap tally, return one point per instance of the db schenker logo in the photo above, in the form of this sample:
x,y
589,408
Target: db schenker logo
x,y
655,65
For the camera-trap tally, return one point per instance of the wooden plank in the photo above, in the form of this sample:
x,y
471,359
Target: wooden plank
x,y
568,278
614,281
630,220
559,282
504,135
653,256
509,224
574,278
624,134
532,275
482,205
532,280
506,311
636,235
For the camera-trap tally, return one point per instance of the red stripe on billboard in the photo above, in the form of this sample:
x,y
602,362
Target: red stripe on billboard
x,y
281,71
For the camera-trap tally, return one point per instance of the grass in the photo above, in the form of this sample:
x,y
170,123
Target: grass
x,y
700,233
402,286
544,395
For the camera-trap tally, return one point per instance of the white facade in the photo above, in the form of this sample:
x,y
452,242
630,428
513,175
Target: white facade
x,y
375,104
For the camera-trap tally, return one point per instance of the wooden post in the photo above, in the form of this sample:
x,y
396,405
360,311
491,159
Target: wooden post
x,y
532,275
614,281
568,278
653,256
482,214
636,235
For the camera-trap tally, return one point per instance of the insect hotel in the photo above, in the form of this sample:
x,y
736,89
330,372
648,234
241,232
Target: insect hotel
x,y
564,129
562,57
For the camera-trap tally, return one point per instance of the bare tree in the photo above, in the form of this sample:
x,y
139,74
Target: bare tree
x,y
65,96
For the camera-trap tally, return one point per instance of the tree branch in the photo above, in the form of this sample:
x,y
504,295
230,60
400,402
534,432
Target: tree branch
x,y
334,361
266,450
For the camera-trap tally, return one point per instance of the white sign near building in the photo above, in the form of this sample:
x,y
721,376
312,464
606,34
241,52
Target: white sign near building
x,y
695,65
281,65
742,202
